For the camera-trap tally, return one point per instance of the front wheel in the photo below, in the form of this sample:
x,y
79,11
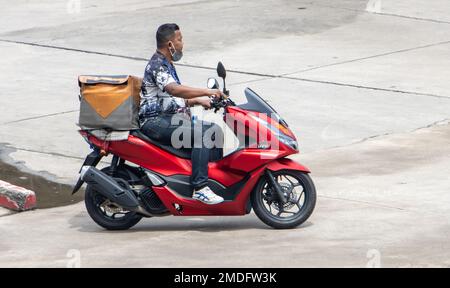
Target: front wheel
x,y
299,191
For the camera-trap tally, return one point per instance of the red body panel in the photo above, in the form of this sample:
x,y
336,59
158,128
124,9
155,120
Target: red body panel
x,y
146,155
227,171
237,207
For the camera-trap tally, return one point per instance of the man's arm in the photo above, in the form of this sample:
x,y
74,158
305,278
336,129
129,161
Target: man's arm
x,y
187,92
204,101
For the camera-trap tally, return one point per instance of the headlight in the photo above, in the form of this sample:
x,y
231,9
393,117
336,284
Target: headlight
x,y
285,139
288,141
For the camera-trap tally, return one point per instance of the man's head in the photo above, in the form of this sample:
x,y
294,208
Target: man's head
x,y
169,38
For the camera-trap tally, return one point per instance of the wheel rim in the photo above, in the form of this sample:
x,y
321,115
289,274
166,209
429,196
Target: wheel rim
x,y
295,193
108,209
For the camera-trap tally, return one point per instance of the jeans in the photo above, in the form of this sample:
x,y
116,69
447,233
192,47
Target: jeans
x,y
177,130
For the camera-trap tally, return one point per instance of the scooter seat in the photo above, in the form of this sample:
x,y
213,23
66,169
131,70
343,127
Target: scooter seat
x,y
182,153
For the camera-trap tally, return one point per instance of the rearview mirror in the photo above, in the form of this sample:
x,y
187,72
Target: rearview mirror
x,y
221,70
212,83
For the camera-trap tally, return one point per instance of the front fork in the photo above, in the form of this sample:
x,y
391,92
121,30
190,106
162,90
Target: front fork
x,y
275,186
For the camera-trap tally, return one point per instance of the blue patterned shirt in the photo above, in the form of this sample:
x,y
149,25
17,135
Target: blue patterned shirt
x,y
159,73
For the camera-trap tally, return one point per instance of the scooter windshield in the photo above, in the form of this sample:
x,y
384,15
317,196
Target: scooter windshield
x,y
258,104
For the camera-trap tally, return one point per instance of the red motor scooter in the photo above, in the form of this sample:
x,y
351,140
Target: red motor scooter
x,y
147,178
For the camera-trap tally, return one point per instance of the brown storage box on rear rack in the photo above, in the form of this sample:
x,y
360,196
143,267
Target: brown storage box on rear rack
x,y
109,102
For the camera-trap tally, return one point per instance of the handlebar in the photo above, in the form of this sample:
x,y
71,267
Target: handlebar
x,y
222,102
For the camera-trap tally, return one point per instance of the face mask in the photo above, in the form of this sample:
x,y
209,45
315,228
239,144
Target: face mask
x,y
176,55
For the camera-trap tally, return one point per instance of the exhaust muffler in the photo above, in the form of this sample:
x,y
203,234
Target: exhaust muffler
x,y
108,187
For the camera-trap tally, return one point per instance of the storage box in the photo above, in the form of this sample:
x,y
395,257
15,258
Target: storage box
x,y
109,102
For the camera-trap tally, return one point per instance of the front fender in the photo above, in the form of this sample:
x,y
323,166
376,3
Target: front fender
x,y
286,163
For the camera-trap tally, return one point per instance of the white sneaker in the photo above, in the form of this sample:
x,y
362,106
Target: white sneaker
x,y
207,196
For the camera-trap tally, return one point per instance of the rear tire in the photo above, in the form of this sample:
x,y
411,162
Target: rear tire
x,y
263,203
98,207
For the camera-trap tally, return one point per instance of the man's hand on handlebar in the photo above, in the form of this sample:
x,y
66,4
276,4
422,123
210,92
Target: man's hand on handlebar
x,y
204,101
216,93
216,99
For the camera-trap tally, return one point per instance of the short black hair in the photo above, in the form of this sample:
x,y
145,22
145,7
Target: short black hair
x,y
165,33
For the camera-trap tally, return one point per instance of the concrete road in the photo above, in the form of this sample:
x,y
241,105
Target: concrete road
x,y
363,84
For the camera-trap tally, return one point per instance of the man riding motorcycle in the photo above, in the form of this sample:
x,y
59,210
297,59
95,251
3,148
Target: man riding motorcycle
x,y
165,109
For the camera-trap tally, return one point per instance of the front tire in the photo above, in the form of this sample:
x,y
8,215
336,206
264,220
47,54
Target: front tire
x,y
106,213
301,195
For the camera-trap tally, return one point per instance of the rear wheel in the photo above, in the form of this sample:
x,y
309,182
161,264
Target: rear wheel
x,y
299,191
107,214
